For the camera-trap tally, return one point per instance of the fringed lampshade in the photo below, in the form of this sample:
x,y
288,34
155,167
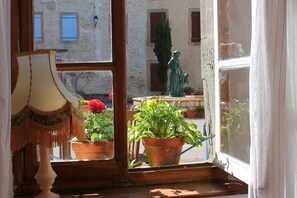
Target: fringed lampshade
x,y
43,112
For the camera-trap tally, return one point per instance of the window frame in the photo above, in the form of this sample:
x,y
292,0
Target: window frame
x,y
62,14
97,174
227,162
92,174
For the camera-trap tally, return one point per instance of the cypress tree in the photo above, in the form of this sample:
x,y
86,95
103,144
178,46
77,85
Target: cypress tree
x,y
162,50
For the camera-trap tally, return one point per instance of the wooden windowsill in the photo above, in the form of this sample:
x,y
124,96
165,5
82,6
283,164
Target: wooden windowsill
x,y
187,189
204,180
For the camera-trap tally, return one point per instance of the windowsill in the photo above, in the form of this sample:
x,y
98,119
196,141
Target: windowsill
x,y
185,189
197,180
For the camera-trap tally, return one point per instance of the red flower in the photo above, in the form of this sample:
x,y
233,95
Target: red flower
x,y
110,95
96,106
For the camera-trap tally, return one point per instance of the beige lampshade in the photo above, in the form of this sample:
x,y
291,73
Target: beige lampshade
x,y
41,103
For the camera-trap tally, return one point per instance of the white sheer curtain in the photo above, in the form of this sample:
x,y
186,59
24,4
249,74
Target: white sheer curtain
x,y
5,159
273,99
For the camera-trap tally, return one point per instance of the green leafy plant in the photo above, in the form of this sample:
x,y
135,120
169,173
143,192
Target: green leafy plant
x,y
235,129
98,123
159,119
162,50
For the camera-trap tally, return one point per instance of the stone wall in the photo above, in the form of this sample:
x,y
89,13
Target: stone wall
x,y
94,43
208,68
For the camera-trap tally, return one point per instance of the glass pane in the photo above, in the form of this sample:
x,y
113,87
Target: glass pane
x,y
79,31
234,28
234,100
99,127
142,67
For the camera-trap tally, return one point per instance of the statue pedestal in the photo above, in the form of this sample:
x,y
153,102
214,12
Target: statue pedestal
x,y
189,102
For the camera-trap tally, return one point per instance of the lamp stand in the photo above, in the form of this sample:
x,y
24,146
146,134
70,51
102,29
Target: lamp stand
x,y
45,175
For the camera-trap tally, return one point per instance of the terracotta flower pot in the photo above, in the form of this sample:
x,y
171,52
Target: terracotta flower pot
x,y
191,114
91,151
158,150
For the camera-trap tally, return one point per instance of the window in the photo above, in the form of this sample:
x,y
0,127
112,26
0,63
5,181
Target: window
x,y
233,39
38,27
69,27
155,84
100,172
154,20
195,27
96,174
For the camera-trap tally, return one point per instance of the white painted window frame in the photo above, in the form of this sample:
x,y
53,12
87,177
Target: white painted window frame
x,y
230,164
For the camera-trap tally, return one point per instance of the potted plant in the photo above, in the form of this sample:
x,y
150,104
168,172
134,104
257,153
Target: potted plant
x,y
163,130
235,129
99,133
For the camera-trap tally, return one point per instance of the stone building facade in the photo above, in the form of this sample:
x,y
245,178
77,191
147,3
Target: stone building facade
x,y
93,41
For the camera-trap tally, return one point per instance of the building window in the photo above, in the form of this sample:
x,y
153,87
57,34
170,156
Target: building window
x,y
38,23
155,17
155,84
69,27
195,27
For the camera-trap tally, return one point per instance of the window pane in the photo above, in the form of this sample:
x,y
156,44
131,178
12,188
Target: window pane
x,y
79,31
234,26
99,127
69,27
37,27
234,100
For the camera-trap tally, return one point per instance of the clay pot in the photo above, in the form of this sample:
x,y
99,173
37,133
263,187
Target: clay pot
x,y
191,114
92,151
158,150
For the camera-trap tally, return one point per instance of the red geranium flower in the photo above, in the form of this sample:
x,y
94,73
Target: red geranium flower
x,y
96,106
110,95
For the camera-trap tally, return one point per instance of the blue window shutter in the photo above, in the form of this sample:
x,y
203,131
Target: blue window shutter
x,y
37,27
69,27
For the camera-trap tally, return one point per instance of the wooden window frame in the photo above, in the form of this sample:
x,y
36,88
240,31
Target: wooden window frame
x,y
88,176
91,174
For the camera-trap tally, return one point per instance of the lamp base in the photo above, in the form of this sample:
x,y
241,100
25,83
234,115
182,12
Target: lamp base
x,y
45,175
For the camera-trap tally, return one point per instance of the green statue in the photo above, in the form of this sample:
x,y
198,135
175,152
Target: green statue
x,y
177,77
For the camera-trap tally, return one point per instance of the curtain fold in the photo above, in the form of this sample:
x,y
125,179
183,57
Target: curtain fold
x,y
291,101
273,110
5,95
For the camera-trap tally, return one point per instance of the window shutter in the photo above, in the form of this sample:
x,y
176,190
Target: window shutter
x,y
155,84
69,27
154,19
196,32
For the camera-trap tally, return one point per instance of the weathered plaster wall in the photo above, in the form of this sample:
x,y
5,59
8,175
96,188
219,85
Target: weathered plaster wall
x,y
208,67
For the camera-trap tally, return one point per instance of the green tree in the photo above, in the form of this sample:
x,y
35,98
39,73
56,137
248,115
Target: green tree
x,y
162,50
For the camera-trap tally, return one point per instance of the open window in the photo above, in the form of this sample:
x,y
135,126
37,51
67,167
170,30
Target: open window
x,y
232,62
101,46
97,52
